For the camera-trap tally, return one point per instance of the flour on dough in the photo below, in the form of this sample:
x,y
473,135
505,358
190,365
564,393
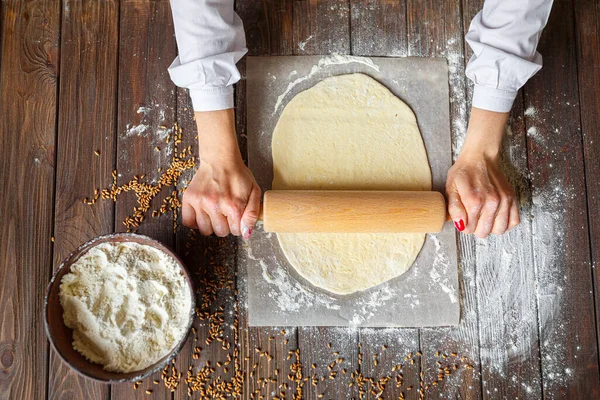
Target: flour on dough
x,y
349,132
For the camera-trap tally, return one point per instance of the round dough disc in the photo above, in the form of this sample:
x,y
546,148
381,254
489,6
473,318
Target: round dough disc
x,y
349,132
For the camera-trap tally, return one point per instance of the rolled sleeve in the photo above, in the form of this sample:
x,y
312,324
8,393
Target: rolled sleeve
x,y
504,37
212,99
492,99
210,39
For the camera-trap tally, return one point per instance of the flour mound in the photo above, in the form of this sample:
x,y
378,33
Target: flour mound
x,y
128,305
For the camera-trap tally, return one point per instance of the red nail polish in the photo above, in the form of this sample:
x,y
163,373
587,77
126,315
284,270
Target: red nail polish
x,y
460,225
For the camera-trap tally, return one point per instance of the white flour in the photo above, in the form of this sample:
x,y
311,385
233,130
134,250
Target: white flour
x,y
291,296
137,130
335,59
128,305
302,45
531,112
440,267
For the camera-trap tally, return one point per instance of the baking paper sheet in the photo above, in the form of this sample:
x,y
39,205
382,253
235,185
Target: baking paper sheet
x,y
426,295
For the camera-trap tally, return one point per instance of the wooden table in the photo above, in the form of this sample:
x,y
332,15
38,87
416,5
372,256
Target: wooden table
x,y
73,78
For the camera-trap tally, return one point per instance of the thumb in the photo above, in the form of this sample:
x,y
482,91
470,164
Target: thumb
x,y
251,212
456,209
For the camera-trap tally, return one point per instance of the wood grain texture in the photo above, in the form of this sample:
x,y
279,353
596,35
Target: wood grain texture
x,y
192,251
505,278
86,123
321,27
28,89
325,350
435,29
378,28
557,247
569,354
506,287
587,33
369,19
391,352
146,101
268,26
269,30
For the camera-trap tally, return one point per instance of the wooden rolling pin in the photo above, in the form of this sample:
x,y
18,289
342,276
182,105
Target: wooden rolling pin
x,y
352,211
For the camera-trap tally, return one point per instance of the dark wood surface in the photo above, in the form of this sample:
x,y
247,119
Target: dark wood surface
x,y
75,78
86,100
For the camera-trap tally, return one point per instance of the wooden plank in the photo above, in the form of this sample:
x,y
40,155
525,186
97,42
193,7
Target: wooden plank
x,y
587,31
268,26
28,89
190,250
321,27
505,278
378,28
85,124
212,262
506,287
568,344
146,102
392,354
435,29
325,353
275,26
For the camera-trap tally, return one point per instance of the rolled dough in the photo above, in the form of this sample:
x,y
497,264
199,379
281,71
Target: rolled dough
x,y
349,132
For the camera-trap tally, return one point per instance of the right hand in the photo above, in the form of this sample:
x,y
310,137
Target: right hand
x,y
223,196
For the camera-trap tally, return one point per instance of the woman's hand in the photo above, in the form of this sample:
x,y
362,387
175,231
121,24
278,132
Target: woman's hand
x,y
480,199
223,196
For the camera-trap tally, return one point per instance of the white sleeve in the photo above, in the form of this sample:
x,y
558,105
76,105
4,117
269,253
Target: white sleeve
x,y
210,39
504,37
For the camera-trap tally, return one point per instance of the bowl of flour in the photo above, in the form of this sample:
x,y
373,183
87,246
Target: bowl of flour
x,y
119,308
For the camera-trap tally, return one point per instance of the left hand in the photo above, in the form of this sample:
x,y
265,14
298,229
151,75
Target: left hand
x,y
480,199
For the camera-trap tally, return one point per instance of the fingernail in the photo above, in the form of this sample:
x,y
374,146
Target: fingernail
x,y
247,232
460,225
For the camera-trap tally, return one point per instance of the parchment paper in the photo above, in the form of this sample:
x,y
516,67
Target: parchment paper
x,y
426,295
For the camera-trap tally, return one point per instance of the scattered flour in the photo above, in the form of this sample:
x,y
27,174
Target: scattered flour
x,y
128,304
533,133
290,295
457,78
144,110
323,63
441,264
302,45
137,130
531,112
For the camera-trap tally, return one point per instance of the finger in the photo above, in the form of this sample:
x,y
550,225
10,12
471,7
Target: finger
x,y
456,210
488,214
233,210
502,216
188,215
251,212
219,223
473,203
514,218
204,224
